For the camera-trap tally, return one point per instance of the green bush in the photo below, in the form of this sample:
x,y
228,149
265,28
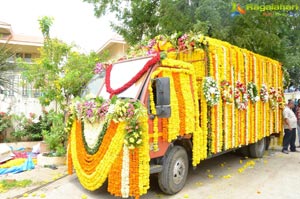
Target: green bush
x,y
5,123
56,136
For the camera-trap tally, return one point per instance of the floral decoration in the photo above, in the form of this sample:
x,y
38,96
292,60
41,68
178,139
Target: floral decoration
x,y
240,96
273,95
263,93
280,98
124,131
226,92
211,91
112,91
252,92
99,68
122,151
119,110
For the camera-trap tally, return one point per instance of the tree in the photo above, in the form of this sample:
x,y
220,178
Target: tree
x,y
275,33
5,53
60,72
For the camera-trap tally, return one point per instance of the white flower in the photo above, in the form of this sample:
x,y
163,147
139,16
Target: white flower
x,y
212,90
111,109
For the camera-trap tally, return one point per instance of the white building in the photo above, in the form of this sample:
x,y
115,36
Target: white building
x,y
19,98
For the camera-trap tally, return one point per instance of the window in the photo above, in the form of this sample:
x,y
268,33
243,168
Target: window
x,y
27,57
29,91
25,92
11,85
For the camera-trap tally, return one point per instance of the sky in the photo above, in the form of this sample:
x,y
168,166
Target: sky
x,y
74,21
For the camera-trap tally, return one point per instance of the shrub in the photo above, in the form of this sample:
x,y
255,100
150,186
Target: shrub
x,y
5,123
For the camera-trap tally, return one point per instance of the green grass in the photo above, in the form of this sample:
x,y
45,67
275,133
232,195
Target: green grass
x,y
12,183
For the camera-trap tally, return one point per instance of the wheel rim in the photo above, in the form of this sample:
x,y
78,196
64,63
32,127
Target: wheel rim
x,y
179,171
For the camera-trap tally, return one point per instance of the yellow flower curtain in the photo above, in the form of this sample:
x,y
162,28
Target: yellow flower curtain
x,y
225,125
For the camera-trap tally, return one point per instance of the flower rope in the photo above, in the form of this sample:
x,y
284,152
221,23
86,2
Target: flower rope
x,y
112,91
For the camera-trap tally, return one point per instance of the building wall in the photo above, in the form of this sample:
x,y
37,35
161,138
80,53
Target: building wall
x,y
19,97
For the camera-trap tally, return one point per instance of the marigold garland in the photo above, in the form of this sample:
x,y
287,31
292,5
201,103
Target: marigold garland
x,y
128,170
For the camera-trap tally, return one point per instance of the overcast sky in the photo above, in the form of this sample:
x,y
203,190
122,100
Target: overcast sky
x,y
74,20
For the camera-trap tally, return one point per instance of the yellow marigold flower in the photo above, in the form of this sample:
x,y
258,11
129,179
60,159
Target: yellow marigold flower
x,y
25,195
241,170
83,196
227,176
186,195
42,195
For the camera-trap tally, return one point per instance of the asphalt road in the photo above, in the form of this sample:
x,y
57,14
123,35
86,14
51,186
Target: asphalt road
x,y
230,176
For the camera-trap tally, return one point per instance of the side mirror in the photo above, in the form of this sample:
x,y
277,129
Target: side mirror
x,y
163,108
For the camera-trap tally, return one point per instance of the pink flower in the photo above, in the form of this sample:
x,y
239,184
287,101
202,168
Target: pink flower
x,y
98,69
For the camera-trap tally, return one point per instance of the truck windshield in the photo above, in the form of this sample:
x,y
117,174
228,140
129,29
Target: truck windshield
x,y
122,73
94,85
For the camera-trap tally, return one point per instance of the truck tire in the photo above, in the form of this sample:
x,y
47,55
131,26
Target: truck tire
x,y
175,170
244,151
257,149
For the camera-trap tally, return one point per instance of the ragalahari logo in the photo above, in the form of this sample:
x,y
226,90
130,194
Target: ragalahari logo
x,y
237,10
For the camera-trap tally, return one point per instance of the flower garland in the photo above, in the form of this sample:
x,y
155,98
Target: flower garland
x,y
263,93
240,96
112,91
273,98
118,110
226,92
211,91
126,161
280,98
252,92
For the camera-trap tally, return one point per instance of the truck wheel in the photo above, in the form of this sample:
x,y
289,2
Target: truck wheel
x,y
244,151
257,149
175,169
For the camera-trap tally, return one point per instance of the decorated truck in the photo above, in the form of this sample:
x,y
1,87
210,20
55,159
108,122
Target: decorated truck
x,y
187,99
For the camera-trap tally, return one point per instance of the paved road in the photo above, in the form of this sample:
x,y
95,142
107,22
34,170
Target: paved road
x,y
229,176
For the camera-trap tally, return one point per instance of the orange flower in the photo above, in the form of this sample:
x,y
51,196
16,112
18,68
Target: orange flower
x,y
114,177
181,104
90,162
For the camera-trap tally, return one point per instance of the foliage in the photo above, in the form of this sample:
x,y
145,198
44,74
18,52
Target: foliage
x,y
30,128
45,23
97,110
5,122
5,53
56,71
275,34
56,136
9,184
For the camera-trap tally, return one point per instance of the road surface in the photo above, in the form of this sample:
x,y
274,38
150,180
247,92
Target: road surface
x,y
229,176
